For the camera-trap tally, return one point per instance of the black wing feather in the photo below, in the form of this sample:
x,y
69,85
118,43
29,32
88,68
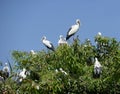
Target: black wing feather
x,y
51,48
68,36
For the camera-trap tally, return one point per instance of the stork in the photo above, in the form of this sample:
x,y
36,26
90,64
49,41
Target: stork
x,y
22,75
62,40
99,34
48,44
97,68
6,71
63,71
1,79
73,29
32,52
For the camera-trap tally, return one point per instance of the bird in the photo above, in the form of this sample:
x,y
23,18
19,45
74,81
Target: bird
x,y
63,71
22,75
47,43
56,70
97,68
32,52
99,34
6,71
73,29
61,40
1,79
35,85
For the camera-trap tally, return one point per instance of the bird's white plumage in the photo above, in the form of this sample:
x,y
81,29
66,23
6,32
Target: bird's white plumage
x,y
47,43
56,70
99,34
73,29
22,74
97,63
36,86
88,40
1,79
62,40
97,66
32,52
63,71
6,68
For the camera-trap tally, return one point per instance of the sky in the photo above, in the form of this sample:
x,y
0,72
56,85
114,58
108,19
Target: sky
x,y
24,22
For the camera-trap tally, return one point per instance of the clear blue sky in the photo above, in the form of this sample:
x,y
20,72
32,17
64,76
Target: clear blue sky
x,y
24,22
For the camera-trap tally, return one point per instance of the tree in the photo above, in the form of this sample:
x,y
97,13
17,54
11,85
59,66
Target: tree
x,y
69,70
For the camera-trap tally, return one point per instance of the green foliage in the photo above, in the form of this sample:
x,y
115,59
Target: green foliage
x,y
77,62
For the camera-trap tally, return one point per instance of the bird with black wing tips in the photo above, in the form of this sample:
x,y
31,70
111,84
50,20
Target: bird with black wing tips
x,y
22,75
97,68
47,43
6,71
73,29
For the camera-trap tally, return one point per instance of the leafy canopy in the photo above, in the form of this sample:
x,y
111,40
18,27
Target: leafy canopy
x,y
77,63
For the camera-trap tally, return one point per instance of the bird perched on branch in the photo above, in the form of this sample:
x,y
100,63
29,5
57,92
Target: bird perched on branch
x,y
99,34
62,40
32,52
48,44
73,29
63,71
1,79
22,75
97,68
6,71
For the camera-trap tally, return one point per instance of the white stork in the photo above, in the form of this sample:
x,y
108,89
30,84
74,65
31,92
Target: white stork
x,y
56,70
97,68
62,40
99,34
63,71
73,29
32,52
1,79
35,85
6,71
22,75
47,43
